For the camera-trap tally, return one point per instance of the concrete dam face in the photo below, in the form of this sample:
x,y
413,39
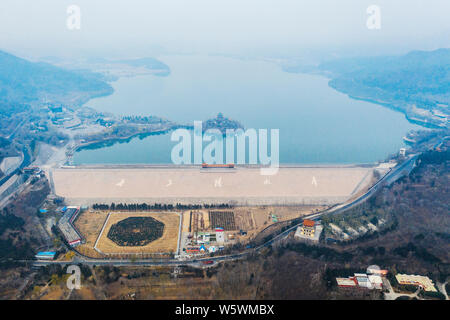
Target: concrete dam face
x,y
291,185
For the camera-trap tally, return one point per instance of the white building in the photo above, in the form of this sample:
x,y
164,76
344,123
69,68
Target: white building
x,y
220,237
363,280
421,281
376,281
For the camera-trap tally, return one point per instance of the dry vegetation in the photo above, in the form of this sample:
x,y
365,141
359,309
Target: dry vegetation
x,y
90,224
21,234
166,244
256,219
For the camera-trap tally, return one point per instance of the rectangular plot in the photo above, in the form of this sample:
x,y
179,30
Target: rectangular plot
x,y
222,219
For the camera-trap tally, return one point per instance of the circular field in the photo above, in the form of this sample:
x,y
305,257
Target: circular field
x,y
136,231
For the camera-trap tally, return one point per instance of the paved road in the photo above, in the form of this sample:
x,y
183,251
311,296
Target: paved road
x,y
25,162
392,295
387,179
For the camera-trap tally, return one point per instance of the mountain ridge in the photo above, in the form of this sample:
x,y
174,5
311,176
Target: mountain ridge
x,y
417,83
26,82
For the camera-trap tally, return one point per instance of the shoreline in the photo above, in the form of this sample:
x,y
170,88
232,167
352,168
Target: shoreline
x,y
328,76
106,142
419,122
426,123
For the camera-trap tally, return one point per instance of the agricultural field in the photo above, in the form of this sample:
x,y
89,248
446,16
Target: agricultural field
x,y
167,243
196,220
222,219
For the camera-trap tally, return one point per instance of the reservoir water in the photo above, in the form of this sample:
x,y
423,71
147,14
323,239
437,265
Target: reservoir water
x,y
317,124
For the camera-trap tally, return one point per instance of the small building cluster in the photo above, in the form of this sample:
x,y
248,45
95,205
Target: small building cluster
x,y
423,282
67,227
45,255
310,230
206,242
203,249
33,170
370,280
343,231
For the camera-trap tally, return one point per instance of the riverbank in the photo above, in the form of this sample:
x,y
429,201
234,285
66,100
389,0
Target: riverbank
x,y
415,83
109,141
429,123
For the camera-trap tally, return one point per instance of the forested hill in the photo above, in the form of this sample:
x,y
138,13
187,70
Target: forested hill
x,y
421,78
23,82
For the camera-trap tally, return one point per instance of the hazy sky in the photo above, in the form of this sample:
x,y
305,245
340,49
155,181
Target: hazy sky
x,y
289,27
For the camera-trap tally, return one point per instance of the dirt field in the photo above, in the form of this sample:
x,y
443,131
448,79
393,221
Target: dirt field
x,y
90,224
166,244
302,185
255,219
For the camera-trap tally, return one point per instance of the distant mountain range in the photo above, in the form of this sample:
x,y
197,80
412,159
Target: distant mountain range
x,y
113,69
417,76
25,83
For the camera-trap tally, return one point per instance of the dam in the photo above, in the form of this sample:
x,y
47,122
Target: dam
x,y
241,185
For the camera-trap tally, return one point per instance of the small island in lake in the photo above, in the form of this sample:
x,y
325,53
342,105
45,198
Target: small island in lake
x,y
221,123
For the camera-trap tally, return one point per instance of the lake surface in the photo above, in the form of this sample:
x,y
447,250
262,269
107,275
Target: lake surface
x,y
317,124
